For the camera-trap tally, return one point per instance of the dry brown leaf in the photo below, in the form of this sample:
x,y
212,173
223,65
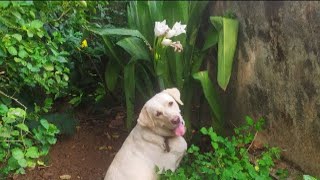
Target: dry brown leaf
x,y
65,176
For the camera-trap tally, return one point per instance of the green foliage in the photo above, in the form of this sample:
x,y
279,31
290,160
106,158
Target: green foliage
x,y
153,62
308,177
29,55
20,146
228,158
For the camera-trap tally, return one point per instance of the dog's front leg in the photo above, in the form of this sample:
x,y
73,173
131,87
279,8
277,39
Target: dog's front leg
x,y
157,140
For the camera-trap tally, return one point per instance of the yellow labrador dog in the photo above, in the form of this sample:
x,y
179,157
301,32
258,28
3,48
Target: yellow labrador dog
x,y
156,140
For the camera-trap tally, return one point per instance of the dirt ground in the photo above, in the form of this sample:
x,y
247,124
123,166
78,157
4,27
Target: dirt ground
x,y
84,155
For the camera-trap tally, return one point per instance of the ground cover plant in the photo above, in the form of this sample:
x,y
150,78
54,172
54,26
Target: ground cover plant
x,y
227,157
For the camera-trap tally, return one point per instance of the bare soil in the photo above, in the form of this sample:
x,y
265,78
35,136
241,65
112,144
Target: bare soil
x,y
84,155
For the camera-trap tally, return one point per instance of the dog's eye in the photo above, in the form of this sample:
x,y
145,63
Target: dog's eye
x,y
158,113
170,103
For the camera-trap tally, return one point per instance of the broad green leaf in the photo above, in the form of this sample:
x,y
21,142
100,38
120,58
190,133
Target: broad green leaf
x,y
17,153
22,163
5,132
129,90
2,54
12,50
135,47
32,152
48,66
18,37
308,177
23,127
211,95
4,4
9,120
29,33
44,123
3,109
36,24
31,163
249,120
22,53
52,140
111,75
226,49
204,131
16,14
16,112
15,133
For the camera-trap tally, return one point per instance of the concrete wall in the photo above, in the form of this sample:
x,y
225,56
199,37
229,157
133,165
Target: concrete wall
x,y
276,74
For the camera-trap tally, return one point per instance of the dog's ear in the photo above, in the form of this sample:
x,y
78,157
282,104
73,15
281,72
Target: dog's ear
x,y
144,118
175,93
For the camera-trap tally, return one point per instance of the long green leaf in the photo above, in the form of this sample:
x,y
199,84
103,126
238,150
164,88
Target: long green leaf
x,y
107,31
112,74
144,82
135,47
111,49
212,38
129,90
139,18
211,95
226,48
174,11
155,9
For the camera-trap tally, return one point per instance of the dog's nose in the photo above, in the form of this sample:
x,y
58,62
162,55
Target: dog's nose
x,y
175,120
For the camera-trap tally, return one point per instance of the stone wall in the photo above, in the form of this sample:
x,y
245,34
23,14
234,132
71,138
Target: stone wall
x,y
276,74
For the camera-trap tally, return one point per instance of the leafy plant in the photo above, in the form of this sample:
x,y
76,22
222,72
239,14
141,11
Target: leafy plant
x,y
227,158
150,61
20,146
308,177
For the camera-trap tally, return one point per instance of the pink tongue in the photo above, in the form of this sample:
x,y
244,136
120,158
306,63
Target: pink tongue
x,y
180,130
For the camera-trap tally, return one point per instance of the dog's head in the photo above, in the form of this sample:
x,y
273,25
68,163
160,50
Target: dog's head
x,y
162,113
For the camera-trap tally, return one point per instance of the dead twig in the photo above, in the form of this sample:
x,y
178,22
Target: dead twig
x,y
255,135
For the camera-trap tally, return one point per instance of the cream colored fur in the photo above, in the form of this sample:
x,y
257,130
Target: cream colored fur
x,y
144,148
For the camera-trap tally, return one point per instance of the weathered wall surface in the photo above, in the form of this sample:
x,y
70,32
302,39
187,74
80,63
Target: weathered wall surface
x,y
276,74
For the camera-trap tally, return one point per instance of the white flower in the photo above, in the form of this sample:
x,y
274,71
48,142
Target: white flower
x,y
179,28
177,46
166,42
171,33
160,28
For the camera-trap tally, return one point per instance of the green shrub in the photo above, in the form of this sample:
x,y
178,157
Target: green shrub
x,y
228,157
21,146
